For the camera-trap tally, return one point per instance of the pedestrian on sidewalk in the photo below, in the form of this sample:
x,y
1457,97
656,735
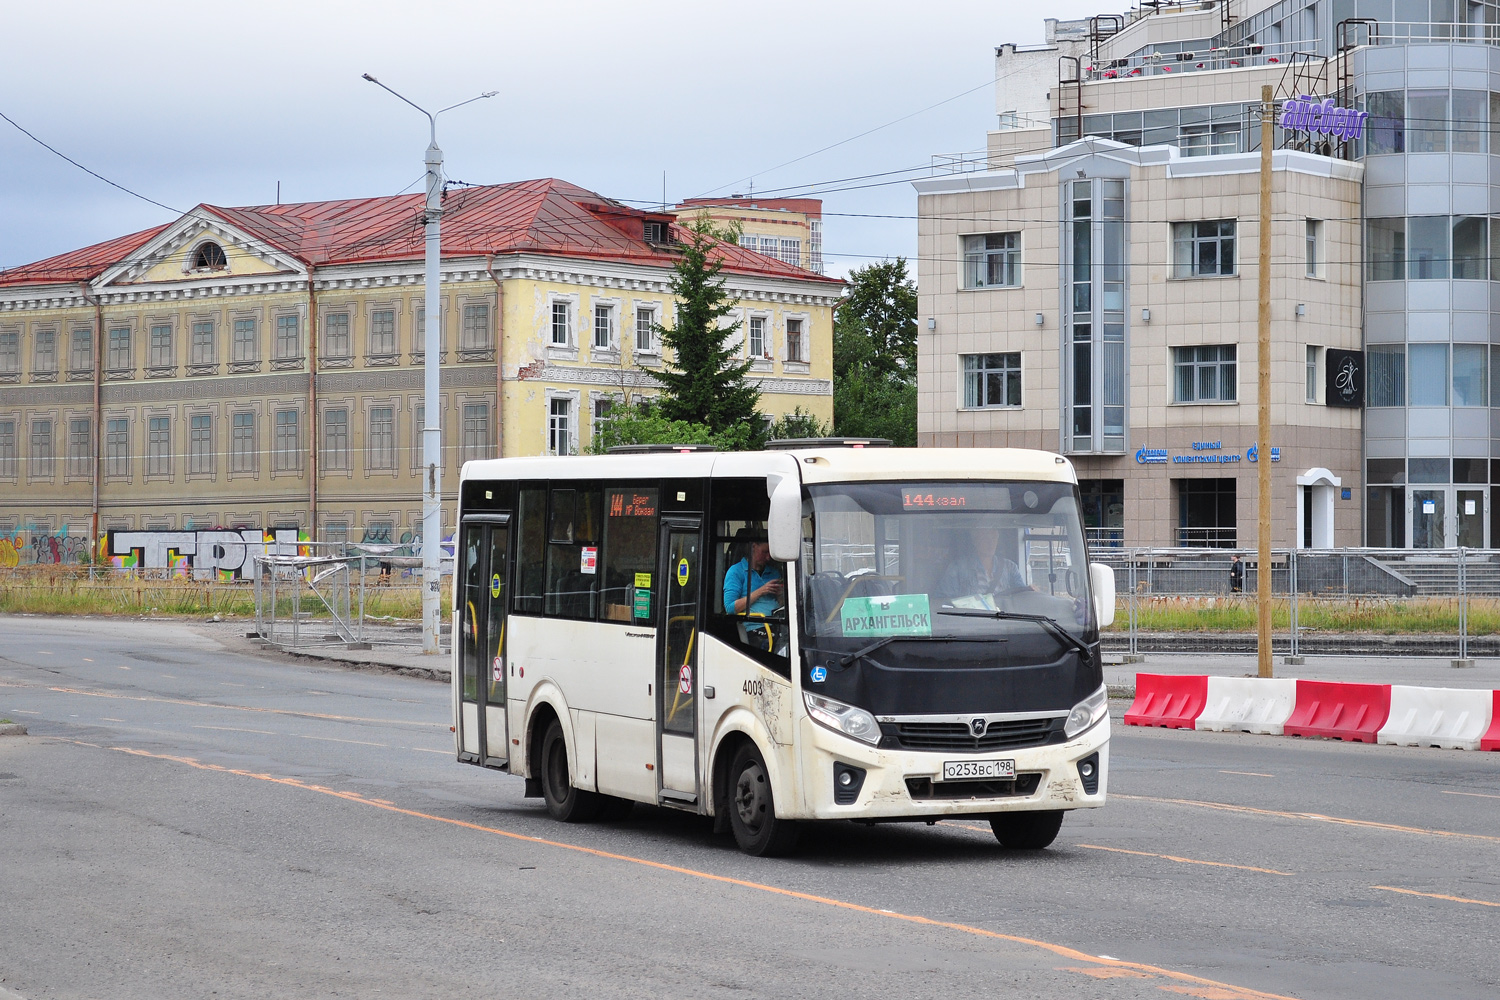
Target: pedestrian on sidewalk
x,y
1236,576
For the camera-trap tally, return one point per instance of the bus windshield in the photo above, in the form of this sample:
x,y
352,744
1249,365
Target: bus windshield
x,y
941,560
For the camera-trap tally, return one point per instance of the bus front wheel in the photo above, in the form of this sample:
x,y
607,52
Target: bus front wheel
x,y
564,802
1026,831
752,810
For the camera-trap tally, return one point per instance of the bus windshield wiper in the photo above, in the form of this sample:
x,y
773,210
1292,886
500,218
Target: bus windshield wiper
x,y
844,661
1046,621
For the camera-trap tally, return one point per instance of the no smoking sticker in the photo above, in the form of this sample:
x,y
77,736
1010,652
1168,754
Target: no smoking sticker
x,y
685,679
497,670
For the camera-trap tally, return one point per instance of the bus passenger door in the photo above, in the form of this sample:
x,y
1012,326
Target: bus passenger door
x,y
677,676
484,598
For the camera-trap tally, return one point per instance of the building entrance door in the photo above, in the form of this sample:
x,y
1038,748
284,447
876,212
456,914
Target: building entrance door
x,y
1445,517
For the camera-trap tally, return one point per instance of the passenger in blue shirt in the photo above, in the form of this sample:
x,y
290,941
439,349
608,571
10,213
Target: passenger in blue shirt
x,y
754,586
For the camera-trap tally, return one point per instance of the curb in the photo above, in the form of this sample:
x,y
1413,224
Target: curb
x,y
11,729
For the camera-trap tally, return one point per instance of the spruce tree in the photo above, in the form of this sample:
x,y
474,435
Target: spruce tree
x,y
704,383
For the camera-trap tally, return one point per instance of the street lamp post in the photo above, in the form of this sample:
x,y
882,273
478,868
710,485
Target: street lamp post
x,y
432,465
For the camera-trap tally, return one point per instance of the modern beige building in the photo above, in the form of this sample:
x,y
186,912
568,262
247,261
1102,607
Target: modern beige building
x,y
1088,283
262,367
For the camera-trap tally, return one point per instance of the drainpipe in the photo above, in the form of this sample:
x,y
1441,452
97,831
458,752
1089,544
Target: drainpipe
x,y
98,435
312,407
489,268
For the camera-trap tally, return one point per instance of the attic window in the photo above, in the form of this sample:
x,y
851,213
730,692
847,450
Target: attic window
x,y
656,232
209,257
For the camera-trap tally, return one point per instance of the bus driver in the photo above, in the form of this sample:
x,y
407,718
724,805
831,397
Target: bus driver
x,y
753,586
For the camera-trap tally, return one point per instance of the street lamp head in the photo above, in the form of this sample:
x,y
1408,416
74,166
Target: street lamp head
x,y
366,76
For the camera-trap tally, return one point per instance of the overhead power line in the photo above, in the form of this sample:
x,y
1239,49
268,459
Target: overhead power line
x,y
92,173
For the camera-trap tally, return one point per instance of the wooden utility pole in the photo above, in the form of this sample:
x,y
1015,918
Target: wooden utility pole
x,y
1263,397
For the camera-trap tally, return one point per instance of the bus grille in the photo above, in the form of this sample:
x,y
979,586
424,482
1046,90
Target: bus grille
x,y
1012,734
1022,784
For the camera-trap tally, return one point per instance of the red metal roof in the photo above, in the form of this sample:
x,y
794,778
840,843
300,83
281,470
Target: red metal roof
x,y
79,265
545,216
812,207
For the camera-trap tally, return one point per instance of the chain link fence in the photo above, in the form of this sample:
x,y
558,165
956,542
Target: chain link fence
x,y
1416,602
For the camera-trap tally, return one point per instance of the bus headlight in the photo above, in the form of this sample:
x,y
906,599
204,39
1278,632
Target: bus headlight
x,y
847,719
1087,713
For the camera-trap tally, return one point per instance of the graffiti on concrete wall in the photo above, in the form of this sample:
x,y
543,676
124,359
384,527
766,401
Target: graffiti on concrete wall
x,y
207,555
43,547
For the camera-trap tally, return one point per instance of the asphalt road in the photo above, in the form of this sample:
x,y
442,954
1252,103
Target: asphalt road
x,y
185,821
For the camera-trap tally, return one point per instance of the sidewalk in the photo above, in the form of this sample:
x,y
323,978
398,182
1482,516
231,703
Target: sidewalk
x,y
1436,671
390,649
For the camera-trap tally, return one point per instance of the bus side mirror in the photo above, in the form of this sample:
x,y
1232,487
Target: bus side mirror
x,y
784,523
1102,579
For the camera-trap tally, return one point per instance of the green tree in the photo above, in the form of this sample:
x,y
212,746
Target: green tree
x,y
644,424
704,383
875,355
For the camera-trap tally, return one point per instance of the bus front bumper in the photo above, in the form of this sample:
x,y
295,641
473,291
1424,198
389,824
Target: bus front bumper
x,y
906,784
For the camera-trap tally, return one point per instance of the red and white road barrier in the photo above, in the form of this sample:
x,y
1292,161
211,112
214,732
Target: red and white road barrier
x,y
1460,719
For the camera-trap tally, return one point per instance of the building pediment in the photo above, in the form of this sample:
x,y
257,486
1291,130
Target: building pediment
x,y
196,248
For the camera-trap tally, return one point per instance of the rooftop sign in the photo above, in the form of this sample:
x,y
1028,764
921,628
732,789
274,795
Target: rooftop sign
x,y
1308,114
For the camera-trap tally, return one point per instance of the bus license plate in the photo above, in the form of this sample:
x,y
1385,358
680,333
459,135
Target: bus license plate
x,y
959,770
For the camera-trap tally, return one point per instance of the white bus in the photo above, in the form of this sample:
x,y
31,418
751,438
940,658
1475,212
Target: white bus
x,y
821,631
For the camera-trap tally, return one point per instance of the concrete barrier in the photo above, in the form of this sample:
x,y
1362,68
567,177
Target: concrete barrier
x,y
1353,712
1437,717
1172,701
1491,739
1247,704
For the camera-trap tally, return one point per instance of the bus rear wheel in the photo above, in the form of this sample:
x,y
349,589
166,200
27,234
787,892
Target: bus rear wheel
x,y
564,802
1026,831
752,810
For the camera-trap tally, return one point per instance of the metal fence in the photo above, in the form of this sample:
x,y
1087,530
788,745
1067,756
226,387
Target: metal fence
x,y
1396,577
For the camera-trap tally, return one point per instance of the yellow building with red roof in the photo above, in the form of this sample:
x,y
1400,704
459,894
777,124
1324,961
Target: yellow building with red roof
x,y
262,367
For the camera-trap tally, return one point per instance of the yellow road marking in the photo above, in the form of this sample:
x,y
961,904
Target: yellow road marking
x,y
1315,817
1105,972
1249,774
1225,991
1436,895
1477,795
1187,861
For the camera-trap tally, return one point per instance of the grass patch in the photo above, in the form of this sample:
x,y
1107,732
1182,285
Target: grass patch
x,y
65,591
1383,616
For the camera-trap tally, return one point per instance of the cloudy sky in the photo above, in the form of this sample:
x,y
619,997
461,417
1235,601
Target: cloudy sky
x,y
191,102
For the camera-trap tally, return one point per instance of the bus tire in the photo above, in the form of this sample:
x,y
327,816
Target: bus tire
x,y
752,809
1026,831
564,802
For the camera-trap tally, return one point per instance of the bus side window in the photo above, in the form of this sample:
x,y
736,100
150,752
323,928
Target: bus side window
x,y
573,554
629,557
530,551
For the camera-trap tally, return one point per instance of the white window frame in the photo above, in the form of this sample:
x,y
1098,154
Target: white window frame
x,y
1313,248
572,398
964,371
806,336
763,352
975,260
1187,238
654,309
571,302
1197,365
611,309
1314,368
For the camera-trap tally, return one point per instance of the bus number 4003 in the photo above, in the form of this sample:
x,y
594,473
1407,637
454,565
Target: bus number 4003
x,y
755,688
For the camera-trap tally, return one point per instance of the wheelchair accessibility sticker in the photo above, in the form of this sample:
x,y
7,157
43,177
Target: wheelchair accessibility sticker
x,y
682,572
818,675
495,585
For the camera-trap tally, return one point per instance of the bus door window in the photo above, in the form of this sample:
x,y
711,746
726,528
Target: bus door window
x,y
573,536
470,602
495,621
629,582
679,681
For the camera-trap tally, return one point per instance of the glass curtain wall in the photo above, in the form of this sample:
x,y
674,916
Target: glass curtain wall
x,y
1094,243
